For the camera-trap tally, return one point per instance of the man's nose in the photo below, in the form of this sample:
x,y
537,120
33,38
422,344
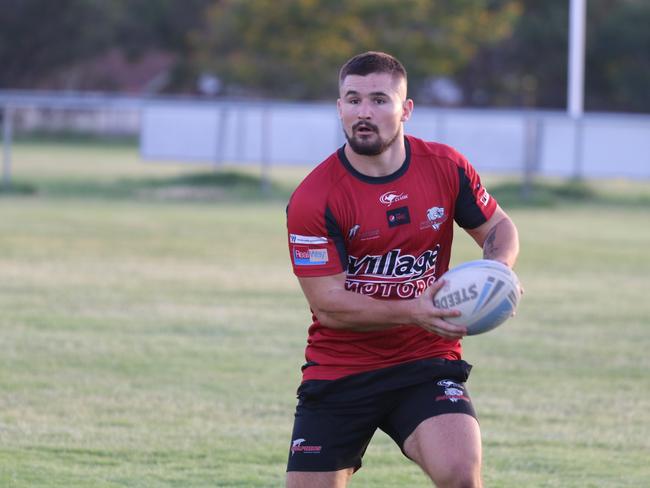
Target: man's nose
x,y
365,110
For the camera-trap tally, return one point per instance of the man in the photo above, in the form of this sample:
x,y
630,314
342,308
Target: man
x,y
370,231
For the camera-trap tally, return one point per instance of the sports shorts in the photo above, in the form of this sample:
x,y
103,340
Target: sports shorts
x,y
335,419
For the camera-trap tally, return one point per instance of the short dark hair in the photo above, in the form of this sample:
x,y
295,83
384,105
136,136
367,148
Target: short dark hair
x,y
372,62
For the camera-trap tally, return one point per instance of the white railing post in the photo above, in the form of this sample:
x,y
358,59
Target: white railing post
x,y
576,78
532,149
266,148
7,133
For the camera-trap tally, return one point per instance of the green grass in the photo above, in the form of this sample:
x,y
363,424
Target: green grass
x,y
114,171
153,339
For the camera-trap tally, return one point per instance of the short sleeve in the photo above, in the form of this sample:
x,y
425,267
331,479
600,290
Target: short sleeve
x,y
474,205
314,237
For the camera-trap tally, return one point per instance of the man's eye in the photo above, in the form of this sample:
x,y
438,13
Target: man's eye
x,y
353,101
380,101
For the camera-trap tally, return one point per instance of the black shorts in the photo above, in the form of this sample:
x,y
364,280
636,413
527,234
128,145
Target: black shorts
x,y
335,420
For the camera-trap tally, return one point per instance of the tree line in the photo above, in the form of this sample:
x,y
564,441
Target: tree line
x,y
497,53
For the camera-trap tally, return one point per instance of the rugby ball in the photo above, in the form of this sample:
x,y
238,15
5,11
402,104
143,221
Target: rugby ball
x,y
485,292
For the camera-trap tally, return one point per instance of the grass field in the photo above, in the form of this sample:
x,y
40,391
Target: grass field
x,y
151,333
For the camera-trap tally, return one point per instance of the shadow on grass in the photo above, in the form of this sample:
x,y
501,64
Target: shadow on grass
x,y
552,193
232,185
195,186
68,138
12,189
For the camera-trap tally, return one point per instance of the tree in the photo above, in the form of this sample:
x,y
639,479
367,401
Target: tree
x,y
501,52
293,48
529,68
618,56
39,38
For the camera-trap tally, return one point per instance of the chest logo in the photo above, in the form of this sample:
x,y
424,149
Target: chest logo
x,y
436,217
391,197
352,233
398,216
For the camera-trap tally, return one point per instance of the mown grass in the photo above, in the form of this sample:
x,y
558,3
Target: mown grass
x,y
112,169
155,340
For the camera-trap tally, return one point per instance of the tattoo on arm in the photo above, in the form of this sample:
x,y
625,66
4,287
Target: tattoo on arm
x,y
489,248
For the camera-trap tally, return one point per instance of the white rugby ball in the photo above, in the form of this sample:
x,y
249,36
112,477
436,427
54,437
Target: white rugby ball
x,y
485,292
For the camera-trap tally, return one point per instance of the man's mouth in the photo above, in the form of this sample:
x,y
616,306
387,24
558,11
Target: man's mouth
x,y
364,130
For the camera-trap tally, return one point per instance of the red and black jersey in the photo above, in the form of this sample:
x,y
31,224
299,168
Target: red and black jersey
x,y
392,236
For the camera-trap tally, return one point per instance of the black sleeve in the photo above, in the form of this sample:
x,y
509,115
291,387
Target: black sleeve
x,y
474,205
334,232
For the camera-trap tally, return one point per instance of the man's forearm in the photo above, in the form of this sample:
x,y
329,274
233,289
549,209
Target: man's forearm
x,y
343,309
502,243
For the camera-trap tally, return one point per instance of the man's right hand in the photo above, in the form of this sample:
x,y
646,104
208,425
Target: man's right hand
x,y
430,318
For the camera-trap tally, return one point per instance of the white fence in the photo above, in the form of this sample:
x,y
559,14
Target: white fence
x,y
210,132
544,142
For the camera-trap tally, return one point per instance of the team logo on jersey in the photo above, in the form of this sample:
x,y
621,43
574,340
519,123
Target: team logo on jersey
x,y
436,216
391,197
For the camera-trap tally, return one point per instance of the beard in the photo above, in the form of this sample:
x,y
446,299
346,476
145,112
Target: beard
x,y
367,145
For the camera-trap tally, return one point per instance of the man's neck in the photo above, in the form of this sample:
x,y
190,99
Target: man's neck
x,y
383,164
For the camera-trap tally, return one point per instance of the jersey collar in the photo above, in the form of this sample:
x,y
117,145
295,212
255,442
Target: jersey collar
x,y
377,180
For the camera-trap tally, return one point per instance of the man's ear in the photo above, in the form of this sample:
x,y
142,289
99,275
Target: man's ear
x,y
407,109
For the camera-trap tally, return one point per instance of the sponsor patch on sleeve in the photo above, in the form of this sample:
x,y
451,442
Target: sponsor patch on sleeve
x,y
485,197
303,256
310,240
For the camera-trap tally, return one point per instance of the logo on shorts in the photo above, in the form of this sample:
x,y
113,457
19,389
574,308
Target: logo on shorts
x,y
454,392
297,446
